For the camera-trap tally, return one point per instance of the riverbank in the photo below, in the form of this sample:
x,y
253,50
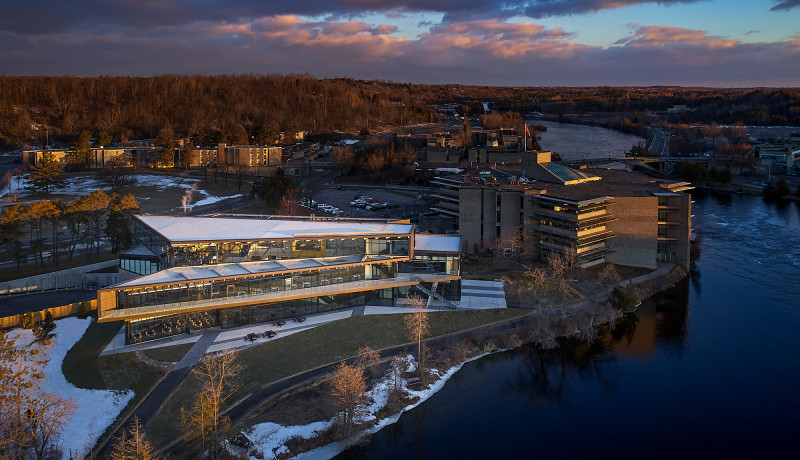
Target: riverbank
x,y
666,375
299,420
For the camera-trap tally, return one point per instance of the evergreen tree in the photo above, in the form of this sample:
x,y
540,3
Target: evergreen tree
x,y
81,151
103,139
118,226
46,174
188,154
12,222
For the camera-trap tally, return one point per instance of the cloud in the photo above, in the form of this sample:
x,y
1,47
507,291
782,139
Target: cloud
x,y
665,36
751,32
487,50
31,16
785,4
544,8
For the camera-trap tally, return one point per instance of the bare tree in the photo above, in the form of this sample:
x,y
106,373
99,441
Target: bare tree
x,y
118,174
417,325
240,167
290,202
31,420
133,445
217,375
367,357
375,162
609,274
45,417
342,157
408,153
347,388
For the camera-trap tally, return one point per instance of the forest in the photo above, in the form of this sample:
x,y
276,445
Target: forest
x,y
216,108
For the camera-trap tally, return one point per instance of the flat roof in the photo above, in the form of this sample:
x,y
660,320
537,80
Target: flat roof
x,y
437,243
201,229
205,272
612,183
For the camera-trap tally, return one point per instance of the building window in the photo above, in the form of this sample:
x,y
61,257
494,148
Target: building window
x,y
662,232
662,216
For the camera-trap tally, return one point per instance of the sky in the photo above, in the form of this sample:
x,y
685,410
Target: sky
x,y
720,43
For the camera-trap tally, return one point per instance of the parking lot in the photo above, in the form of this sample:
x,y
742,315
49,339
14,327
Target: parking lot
x,y
402,203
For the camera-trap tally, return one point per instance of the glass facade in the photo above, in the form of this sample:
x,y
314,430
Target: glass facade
x,y
200,299
210,253
221,290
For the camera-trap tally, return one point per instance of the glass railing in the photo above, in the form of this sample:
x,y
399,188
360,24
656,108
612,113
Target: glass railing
x,y
270,296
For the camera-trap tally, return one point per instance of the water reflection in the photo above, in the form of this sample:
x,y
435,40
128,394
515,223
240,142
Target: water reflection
x,y
721,384
527,385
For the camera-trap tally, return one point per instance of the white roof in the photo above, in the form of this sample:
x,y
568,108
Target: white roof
x,y
437,243
183,274
188,229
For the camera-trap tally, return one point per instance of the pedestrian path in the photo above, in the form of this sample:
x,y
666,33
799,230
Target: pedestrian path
x,y
198,350
479,294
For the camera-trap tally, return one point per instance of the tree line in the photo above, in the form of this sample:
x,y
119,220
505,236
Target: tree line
x,y
52,229
241,108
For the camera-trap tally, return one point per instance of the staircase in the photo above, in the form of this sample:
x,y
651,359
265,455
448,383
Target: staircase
x,y
432,293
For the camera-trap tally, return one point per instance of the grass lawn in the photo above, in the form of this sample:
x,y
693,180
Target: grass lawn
x,y
171,354
272,361
85,368
490,266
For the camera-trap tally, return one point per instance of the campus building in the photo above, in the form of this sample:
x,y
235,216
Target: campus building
x,y
198,272
147,156
602,215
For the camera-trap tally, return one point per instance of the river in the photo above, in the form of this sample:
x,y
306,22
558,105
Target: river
x,y
708,369
576,142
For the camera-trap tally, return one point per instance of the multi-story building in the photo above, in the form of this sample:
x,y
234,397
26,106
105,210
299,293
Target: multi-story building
x,y
148,156
212,271
599,214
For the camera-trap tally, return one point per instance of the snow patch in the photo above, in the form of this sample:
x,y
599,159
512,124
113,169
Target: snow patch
x,y
270,437
96,409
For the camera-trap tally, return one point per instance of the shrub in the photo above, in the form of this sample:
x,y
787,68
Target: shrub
x,y
48,324
624,299
83,310
28,321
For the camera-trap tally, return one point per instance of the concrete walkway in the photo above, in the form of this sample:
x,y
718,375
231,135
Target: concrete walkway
x,y
156,398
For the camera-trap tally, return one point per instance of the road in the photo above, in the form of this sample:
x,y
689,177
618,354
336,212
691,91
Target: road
x,y
660,144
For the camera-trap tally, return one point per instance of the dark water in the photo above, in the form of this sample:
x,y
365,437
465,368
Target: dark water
x,y
709,369
576,142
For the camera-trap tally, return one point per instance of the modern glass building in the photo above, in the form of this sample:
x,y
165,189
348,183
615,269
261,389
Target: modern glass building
x,y
199,272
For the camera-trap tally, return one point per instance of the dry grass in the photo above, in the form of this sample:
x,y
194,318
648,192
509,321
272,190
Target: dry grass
x,y
272,361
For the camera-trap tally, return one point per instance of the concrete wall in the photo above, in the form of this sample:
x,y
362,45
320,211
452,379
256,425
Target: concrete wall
x,y
470,211
679,251
636,230
510,207
71,278
489,210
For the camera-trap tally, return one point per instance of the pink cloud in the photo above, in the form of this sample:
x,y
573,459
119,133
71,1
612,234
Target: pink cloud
x,y
669,36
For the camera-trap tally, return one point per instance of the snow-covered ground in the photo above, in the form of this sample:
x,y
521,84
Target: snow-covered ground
x,y
96,409
269,438
83,185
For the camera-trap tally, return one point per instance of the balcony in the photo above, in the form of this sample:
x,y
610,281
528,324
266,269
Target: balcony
x,y
260,296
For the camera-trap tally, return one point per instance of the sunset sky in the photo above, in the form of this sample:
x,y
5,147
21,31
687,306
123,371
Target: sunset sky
x,y
494,42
